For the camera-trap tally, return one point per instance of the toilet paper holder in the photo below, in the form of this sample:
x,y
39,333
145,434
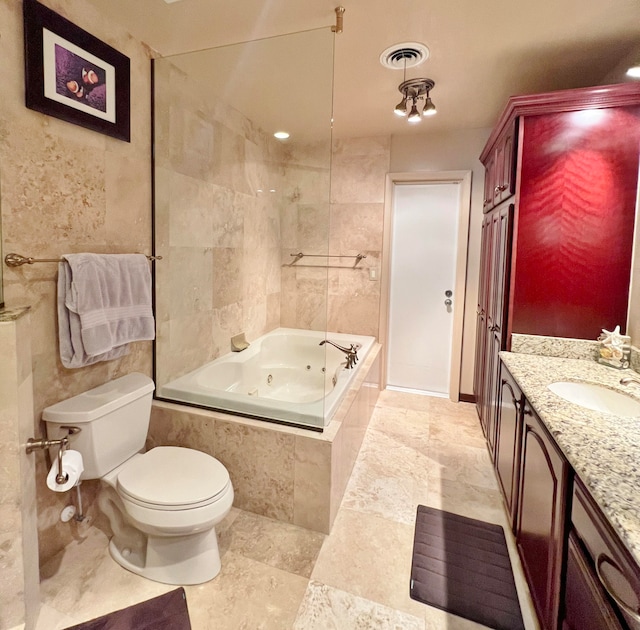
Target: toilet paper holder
x,y
62,443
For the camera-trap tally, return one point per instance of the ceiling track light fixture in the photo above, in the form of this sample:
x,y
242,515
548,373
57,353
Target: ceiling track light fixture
x,y
414,90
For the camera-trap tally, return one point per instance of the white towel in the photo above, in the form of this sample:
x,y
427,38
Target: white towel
x,y
104,302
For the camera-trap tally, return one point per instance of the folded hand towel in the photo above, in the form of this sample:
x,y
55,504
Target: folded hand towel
x,y
108,304
72,353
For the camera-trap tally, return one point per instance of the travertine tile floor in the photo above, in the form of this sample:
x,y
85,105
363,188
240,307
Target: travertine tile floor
x,y
418,449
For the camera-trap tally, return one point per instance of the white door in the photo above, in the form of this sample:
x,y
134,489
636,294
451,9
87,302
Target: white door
x,y
423,260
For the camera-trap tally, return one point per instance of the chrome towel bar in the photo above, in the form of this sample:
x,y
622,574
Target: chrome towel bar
x,y
17,260
300,255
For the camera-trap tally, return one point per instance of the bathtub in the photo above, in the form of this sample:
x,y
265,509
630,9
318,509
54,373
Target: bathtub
x,y
284,376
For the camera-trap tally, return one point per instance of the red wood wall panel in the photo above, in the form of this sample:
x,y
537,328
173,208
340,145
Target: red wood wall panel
x,y
575,222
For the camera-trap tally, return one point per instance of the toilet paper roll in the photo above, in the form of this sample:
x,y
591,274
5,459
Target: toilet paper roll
x,y
72,466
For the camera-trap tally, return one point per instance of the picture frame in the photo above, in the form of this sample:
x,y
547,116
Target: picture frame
x,y
74,76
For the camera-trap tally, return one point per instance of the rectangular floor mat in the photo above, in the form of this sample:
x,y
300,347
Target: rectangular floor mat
x,y
461,565
166,612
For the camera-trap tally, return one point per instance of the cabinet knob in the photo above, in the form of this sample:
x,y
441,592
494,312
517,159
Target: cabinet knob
x,y
626,608
499,189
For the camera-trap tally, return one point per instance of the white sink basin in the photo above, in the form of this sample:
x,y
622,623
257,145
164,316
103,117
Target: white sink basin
x,y
597,398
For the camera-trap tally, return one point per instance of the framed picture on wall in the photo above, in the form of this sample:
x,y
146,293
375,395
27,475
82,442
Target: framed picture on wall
x,y
72,75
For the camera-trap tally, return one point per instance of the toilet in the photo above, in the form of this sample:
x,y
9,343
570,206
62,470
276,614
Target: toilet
x,y
162,505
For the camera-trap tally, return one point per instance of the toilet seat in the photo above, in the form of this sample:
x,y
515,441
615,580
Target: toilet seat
x,y
169,478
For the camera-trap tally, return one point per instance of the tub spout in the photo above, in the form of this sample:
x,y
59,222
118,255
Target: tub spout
x,y
351,353
629,380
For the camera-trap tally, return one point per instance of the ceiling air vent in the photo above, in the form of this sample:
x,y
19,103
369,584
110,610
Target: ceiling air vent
x,y
406,55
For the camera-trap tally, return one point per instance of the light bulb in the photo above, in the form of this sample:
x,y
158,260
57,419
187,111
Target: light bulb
x,y
414,115
429,108
401,108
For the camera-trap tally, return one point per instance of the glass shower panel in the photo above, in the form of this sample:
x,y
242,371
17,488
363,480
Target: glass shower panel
x,y
233,206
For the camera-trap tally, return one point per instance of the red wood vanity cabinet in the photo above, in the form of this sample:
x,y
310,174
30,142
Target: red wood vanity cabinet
x,y
533,477
561,534
602,580
565,165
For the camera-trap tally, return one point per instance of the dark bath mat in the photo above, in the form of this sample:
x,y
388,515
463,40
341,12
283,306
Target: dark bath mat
x,y
166,612
462,566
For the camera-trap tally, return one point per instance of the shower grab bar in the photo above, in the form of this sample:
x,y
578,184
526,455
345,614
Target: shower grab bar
x,y
300,255
17,260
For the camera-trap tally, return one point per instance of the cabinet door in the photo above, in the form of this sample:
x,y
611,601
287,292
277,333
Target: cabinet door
x,y
585,604
484,282
489,183
505,180
541,516
486,266
502,236
480,361
492,391
616,571
508,433
497,230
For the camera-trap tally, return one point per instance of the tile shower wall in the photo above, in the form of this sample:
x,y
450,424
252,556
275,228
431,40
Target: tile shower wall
x,y
338,300
68,189
358,174
305,228
217,226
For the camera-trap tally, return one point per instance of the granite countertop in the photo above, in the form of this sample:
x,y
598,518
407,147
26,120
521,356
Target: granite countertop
x,y
603,449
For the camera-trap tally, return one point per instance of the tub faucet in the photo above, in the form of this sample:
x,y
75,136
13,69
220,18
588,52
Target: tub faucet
x,y
629,380
351,352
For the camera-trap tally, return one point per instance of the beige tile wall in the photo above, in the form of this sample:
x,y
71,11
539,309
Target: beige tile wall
x,y
358,172
67,189
339,300
305,216
19,571
217,226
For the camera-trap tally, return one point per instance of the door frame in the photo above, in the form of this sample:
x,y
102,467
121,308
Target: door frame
x,y
464,210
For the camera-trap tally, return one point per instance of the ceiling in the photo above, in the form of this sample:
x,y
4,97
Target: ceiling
x,y
481,52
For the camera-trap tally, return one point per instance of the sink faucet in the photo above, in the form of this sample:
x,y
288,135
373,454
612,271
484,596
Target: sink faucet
x,y
351,352
629,380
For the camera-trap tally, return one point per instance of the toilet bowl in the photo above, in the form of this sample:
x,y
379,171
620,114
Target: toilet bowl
x,y
162,505
176,496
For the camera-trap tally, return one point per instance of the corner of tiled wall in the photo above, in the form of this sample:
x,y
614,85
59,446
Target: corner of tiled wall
x,y
20,575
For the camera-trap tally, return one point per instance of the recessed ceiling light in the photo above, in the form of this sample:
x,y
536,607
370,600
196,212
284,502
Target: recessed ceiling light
x,y
281,135
171,1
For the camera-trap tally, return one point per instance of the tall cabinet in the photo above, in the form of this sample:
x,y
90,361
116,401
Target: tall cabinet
x,y
496,250
557,236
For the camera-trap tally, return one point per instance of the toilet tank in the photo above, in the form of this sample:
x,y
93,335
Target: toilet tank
x,y
113,418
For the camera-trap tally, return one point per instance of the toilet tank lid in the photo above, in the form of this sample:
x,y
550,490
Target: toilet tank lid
x,y
97,402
